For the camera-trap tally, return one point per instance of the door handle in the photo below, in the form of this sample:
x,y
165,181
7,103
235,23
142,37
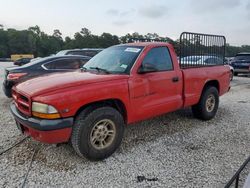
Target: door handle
x,y
175,79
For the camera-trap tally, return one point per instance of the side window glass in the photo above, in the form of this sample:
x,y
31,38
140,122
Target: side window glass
x,y
158,58
64,64
83,62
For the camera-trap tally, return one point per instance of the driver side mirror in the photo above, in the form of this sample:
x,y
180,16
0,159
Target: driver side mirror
x,y
146,68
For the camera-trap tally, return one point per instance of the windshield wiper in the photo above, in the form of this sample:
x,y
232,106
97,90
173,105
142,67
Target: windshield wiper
x,y
100,69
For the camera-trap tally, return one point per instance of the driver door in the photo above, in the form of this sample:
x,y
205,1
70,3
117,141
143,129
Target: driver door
x,y
156,89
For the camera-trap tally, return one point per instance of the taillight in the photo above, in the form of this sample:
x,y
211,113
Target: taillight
x,y
15,76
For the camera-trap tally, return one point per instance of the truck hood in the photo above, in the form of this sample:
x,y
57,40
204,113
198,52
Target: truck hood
x,y
49,83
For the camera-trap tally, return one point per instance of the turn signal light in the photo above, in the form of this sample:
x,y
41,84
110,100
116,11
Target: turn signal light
x,y
46,116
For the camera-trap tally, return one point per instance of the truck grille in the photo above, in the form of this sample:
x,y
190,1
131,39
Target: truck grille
x,y
22,103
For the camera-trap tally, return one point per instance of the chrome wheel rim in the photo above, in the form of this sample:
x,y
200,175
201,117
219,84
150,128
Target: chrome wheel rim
x,y
103,134
210,103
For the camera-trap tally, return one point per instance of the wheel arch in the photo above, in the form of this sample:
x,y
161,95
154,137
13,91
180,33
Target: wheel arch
x,y
214,83
115,103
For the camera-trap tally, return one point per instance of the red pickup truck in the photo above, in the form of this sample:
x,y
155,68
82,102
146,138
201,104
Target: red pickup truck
x,y
121,85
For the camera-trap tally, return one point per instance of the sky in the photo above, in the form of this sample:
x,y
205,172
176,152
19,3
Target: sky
x,y
165,17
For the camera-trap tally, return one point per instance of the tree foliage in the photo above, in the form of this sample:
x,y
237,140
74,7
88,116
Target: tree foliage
x,y
34,41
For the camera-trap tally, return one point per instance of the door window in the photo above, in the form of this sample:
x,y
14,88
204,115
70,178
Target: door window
x,y
64,64
159,58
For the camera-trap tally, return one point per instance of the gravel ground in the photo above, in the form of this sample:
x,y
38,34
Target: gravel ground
x,y
173,150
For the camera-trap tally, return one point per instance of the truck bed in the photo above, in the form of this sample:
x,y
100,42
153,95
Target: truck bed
x,y
195,78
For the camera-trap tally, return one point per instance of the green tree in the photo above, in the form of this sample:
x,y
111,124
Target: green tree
x,y
35,41
107,40
3,43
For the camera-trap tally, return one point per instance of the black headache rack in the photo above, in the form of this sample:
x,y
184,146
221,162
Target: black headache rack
x,y
239,178
201,50
195,49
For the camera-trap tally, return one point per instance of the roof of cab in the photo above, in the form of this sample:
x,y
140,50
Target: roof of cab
x,y
144,44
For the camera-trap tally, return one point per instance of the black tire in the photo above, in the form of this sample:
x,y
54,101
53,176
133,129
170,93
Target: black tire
x,y
201,110
235,73
83,129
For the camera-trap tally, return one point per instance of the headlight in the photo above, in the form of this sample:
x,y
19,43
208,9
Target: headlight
x,y
44,111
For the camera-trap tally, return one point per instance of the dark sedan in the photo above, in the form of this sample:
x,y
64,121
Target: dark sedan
x,y
241,63
43,66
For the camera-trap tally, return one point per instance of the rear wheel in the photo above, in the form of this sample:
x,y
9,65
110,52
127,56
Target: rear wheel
x,y
208,105
97,133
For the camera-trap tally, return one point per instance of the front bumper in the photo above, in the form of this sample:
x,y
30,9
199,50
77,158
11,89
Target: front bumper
x,y
242,70
43,130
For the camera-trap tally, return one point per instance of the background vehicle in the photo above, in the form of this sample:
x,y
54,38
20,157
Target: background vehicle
x,y
231,73
22,61
35,59
91,52
229,60
209,60
15,57
201,60
121,85
42,66
241,63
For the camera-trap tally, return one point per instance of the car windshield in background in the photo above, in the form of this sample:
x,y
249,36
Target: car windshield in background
x,y
90,53
117,59
242,57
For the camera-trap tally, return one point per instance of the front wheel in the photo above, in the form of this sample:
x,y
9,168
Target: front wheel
x,y
208,105
97,133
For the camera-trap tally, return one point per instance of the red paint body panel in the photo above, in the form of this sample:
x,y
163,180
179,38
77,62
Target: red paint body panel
x,y
57,81
154,93
143,95
195,79
49,137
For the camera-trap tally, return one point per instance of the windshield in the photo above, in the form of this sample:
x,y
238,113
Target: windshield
x,y
116,59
